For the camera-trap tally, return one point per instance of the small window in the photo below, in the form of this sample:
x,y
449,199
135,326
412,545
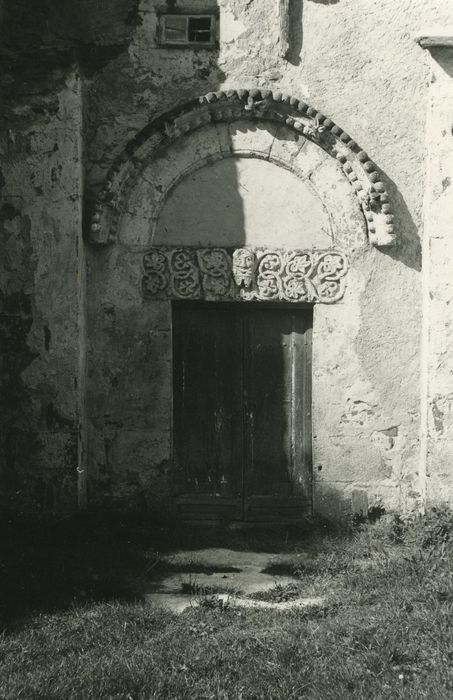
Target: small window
x,y
187,30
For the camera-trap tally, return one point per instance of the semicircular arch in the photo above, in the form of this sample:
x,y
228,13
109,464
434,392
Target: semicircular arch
x,y
246,123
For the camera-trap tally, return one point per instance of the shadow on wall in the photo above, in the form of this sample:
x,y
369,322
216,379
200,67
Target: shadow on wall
x,y
443,57
408,248
296,32
206,209
39,44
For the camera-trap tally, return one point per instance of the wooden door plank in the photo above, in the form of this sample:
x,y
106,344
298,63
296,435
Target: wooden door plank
x,y
303,406
242,412
269,402
207,423
279,408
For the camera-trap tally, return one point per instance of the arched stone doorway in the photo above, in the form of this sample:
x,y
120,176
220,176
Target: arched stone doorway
x,y
241,215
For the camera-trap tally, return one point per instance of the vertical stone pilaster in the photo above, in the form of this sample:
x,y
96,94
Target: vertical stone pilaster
x,y
436,473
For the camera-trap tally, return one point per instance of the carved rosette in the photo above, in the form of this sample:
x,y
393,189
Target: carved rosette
x,y
215,268
157,276
245,274
184,273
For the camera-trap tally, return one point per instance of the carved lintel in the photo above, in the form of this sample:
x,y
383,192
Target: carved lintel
x,y
245,274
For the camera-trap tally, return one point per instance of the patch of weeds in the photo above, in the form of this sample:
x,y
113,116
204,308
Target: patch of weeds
x,y
193,587
396,531
437,527
280,593
432,529
208,597
213,602
331,563
375,513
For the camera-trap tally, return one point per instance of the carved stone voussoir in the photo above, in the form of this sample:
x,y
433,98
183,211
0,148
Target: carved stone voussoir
x,y
257,104
245,274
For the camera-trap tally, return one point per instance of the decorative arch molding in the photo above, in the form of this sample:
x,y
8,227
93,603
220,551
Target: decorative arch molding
x,y
230,106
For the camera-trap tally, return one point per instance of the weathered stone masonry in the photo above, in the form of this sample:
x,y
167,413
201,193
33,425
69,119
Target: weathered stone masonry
x,y
104,127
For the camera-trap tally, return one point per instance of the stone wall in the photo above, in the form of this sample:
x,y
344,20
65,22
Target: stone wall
x,y
40,294
358,64
370,77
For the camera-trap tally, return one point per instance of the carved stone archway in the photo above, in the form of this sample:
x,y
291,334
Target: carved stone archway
x,y
257,105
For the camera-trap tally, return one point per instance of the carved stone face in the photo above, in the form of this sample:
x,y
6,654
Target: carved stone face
x,y
244,266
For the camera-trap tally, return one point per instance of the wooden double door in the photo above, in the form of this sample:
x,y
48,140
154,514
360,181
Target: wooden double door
x,y
242,411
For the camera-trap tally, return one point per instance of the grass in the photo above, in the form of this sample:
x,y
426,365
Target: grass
x,y
195,588
384,631
280,593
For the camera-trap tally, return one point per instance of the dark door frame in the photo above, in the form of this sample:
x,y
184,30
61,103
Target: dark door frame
x,y
307,397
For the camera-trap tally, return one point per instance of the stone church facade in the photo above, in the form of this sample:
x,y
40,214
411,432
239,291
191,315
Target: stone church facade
x,y
226,269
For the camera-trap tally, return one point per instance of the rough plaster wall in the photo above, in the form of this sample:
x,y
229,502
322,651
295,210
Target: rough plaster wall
x,y
40,204
368,74
129,389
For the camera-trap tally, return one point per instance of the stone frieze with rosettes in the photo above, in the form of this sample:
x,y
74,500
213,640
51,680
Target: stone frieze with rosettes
x,y
247,274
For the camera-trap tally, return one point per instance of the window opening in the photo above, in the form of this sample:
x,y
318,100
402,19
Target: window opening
x,y
199,29
187,30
